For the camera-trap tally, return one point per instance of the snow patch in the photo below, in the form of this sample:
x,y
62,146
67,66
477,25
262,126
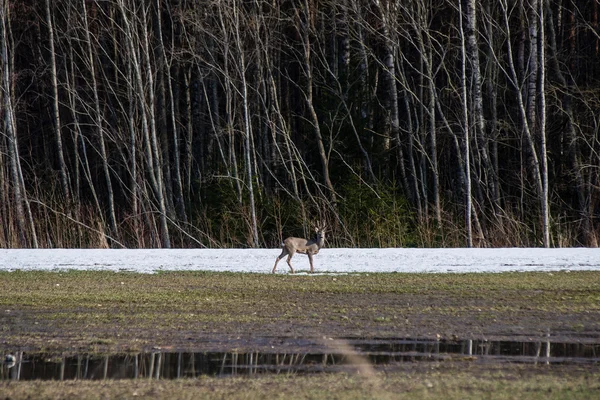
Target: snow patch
x,y
329,260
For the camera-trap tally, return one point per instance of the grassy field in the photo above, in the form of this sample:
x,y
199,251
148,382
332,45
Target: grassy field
x,y
99,312
434,382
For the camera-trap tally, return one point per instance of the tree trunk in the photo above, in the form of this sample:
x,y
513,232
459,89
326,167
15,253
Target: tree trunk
x,y
99,127
426,50
247,129
389,65
513,78
23,209
64,179
154,140
81,156
173,98
314,119
544,159
466,128
487,177
573,150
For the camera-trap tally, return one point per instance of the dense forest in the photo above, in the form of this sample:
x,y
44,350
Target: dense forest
x,y
235,123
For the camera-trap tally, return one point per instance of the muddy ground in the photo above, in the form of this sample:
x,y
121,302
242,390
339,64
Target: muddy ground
x,y
106,311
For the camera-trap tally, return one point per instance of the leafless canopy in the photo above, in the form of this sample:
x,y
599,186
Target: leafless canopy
x,y
221,123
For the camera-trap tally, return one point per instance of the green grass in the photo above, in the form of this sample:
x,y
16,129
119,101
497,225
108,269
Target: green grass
x,y
106,312
46,310
438,381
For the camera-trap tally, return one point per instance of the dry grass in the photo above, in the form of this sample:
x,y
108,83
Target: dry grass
x,y
437,381
106,311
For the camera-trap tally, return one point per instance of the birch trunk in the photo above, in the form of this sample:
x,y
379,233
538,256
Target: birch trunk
x,y
487,171
390,75
176,168
426,47
466,127
247,129
80,142
64,179
573,150
513,78
314,119
544,158
159,177
99,126
229,102
23,209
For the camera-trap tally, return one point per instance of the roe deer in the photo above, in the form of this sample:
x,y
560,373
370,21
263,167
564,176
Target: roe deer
x,y
293,245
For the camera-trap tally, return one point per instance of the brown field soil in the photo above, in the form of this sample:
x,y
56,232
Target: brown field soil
x,y
107,311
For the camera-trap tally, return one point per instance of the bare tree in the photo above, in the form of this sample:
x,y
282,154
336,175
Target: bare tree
x,y
99,125
304,29
466,128
64,179
488,175
247,126
542,118
230,121
385,12
20,195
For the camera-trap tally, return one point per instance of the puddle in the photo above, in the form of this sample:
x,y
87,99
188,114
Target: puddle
x,y
342,355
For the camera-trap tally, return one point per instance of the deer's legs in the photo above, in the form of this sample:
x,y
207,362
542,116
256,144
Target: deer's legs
x,y
310,259
283,254
289,261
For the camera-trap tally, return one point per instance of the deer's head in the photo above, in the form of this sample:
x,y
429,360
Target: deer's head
x,y
320,231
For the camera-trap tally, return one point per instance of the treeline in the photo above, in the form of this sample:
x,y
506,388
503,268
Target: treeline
x,y
157,123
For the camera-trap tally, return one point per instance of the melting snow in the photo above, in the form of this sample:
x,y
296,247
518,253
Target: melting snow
x,y
329,260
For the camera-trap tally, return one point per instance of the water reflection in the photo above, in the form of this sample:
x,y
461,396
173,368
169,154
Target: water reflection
x,y
171,365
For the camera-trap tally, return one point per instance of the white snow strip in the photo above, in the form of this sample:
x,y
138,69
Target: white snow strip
x,y
329,260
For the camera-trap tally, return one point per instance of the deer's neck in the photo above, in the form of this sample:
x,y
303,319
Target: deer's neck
x,y
319,240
